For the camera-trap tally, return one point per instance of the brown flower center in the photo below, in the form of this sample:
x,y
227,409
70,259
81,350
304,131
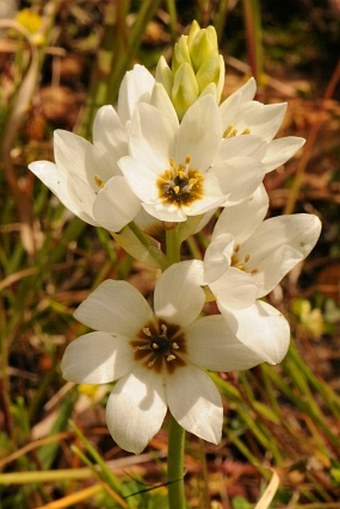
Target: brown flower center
x,y
180,184
160,346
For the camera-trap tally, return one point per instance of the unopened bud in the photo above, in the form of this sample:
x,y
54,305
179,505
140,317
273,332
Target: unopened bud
x,y
185,89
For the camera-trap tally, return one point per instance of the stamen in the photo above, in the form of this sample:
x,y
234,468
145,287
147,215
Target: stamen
x,y
246,131
142,347
100,183
160,346
180,184
247,258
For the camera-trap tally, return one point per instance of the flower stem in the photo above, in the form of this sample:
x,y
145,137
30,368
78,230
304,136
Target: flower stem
x,y
176,492
173,246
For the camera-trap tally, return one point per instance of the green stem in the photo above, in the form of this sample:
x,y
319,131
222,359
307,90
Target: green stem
x,y
173,246
176,492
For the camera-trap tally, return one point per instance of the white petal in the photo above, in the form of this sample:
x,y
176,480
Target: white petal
x,y
162,102
239,177
280,150
97,358
262,119
239,145
195,403
234,289
151,138
178,296
58,182
116,205
262,328
199,134
140,177
136,409
230,107
109,141
217,258
116,307
136,86
109,131
165,213
212,345
241,220
278,244
74,155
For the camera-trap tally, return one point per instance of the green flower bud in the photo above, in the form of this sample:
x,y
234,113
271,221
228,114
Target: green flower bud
x,y
164,75
185,89
203,46
181,53
212,71
196,66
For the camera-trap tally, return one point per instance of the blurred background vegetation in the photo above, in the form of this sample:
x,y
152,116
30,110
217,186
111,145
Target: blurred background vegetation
x,y
60,60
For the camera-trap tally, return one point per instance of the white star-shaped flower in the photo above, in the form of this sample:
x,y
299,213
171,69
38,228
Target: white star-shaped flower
x,y
85,176
242,115
158,358
217,155
246,258
182,169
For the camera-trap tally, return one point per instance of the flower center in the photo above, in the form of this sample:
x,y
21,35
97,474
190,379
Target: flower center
x,y
180,184
241,262
160,346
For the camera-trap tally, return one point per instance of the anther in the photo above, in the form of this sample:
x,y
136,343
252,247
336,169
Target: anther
x,y
171,357
164,328
246,131
175,346
147,331
247,258
100,183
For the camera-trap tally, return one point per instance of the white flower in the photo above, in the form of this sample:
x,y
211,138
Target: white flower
x,y
246,259
242,115
158,357
85,176
217,155
182,169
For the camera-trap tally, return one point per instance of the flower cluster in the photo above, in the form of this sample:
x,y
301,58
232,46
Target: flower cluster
x,y
168,160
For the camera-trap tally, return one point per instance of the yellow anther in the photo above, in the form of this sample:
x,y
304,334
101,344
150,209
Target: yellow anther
x,y
246,131
227,131
100,183
171,357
